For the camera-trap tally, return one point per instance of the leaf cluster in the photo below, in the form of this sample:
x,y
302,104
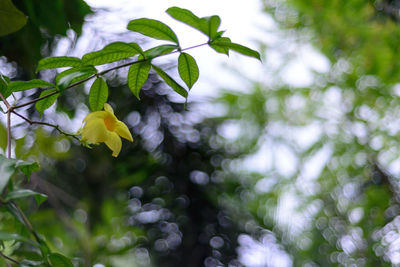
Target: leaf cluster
x,y
79,71
84,69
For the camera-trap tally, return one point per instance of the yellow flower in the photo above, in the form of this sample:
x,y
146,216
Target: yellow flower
x,y
103,126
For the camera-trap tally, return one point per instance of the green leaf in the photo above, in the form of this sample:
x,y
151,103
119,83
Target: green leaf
x,y
220,49
44,104
137,76
98,94
30,263
44,248
11,19
111,53
58,260
171,82
27,167
209,26
222,42
58,62
73,75
184,15
7,169
188,69
153,28
3,137
12,236
159,50
26,85
15,212
9,166
23,193
4,89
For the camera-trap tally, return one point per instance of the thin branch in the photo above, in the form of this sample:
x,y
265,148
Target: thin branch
x,y
9,109
9,134
5,101
27,223
8,258
123,65
36,99
102,73
57,127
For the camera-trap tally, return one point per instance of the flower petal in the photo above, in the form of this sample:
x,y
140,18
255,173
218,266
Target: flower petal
x,y
108,108
95,115
95,131
122,130
114,143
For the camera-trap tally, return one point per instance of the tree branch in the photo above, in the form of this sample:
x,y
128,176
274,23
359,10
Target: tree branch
x,y
57,127
9,109
9,134
9,258
102,73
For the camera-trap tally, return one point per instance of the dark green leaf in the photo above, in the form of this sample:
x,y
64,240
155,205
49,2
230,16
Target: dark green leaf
x,y
171,82
221,49
11,19
98,94
44,104
8,237
70,76
58,260
12,236
188,69
111,53
15,237
44,248
153,28
159,50
23,193
4,89
209,26
7,169
219,34
9,166
30,263
223,43
26,85
58,62
244,50
137,76
3,137
27,167
15,212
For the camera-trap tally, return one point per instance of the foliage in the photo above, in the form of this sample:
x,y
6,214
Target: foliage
x,y
23,245
14,20
328,193
45,21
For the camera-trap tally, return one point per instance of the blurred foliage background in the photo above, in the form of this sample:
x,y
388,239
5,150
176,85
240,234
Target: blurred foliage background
x,y
286,175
